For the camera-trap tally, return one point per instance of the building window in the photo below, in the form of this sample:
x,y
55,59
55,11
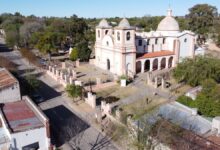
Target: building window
x,y
106,32
148,42
118,36
99,33
140,43
152,48
164,40
128,36
185,40
107,43
156,40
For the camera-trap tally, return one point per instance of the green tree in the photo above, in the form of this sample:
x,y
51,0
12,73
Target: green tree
x,y
74,54
195,71
50,42
185,100
83,50
74,91
201,18
32,82
26,31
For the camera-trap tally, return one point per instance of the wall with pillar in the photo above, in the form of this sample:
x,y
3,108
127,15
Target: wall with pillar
x,y
158,64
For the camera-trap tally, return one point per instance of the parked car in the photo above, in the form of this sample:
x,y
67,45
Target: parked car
x,y
37,98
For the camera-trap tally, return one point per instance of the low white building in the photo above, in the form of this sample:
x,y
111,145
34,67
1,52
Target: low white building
x,y
192,93
9,87
23,127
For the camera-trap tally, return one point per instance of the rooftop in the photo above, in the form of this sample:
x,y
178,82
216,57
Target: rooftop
x,y
6,78
182,115
20,116
157,54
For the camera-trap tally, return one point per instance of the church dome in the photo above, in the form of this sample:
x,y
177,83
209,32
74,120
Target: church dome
x,y
104,24
168,23
124,23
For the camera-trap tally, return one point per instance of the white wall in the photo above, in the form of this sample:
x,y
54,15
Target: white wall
x,y
186,48
168,45
29,137
10,94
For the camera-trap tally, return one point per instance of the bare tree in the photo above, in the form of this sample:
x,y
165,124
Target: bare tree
x,y
74,132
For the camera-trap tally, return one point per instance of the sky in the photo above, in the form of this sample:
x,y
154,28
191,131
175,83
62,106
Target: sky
x,y
100,8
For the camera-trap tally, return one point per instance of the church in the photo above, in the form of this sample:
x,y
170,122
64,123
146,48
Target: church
x,y
123,50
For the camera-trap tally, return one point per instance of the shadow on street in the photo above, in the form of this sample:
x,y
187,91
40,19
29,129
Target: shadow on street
x,y
4,48
47,92
64,124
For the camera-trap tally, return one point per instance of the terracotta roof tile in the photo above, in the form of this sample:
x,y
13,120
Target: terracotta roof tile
x,y
156,54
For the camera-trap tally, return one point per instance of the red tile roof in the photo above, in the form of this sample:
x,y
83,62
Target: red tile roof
x,y
156,54
6,79
20,116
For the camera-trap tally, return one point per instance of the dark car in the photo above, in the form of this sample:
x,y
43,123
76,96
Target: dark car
x,y
37,98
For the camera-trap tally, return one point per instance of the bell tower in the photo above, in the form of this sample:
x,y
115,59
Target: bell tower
x,y
124,39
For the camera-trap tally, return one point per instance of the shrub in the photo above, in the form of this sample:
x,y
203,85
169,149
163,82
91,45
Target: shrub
x,y
128,79
74,91
111,99
74,54
185,100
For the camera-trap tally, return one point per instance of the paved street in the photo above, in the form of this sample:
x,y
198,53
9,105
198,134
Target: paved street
x,y
66,124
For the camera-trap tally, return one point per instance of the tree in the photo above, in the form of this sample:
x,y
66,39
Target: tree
x,y
26,31
195,71
74,91
74,54
201,18
73,132
83,50
32,82
207,101
50,42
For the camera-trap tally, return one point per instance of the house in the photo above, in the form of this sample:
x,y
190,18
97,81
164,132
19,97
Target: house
x,y
23,126
9,87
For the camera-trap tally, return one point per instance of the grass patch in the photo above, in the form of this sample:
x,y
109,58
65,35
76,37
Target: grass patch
x,y
139,108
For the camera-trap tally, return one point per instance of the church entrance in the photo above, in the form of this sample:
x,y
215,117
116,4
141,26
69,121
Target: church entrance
x,y
108,64
138,67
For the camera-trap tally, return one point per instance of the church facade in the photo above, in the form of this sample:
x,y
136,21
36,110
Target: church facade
x,y
123,50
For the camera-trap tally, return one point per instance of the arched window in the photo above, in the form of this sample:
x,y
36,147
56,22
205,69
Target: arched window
x,y
148,42
164,40
107,43
156,40
99,33
185,40
128,36
106,32
118,36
